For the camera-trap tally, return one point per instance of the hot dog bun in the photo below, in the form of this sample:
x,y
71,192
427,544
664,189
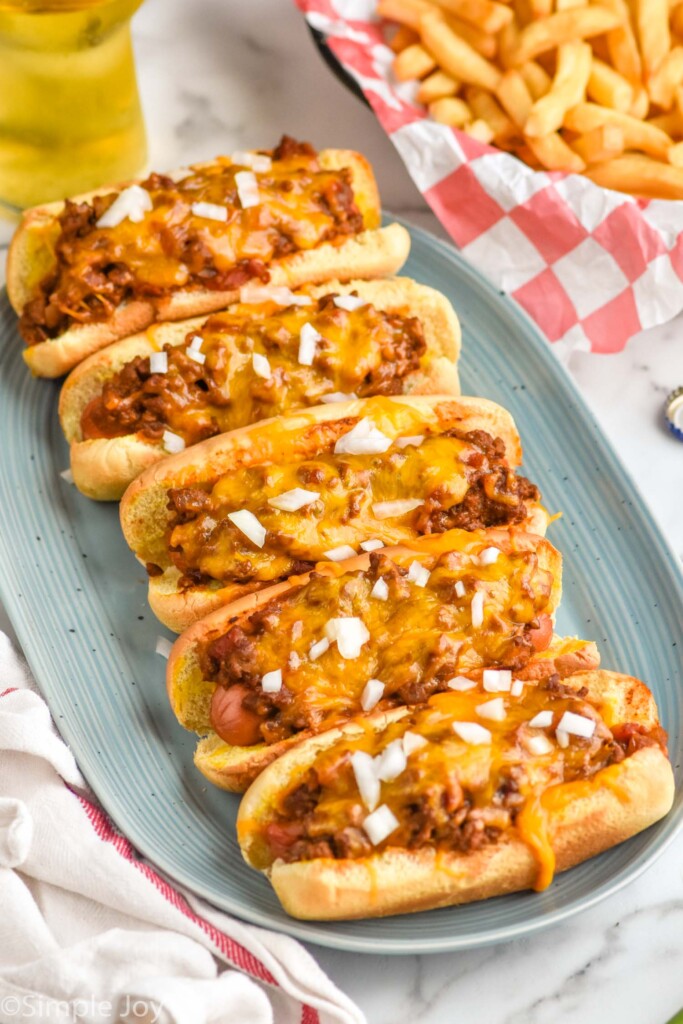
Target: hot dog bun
x,y
145,516
232,767
584,820
103,467
375,252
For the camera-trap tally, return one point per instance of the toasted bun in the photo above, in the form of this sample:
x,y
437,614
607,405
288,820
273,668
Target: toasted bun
x,y
376,252
612,806
233,768
103,467
145,517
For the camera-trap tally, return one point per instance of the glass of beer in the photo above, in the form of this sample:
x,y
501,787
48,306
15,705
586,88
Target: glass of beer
x,y
70,116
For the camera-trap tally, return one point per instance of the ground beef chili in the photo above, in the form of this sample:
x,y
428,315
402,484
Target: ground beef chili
x,y
361,352
98,269
438,801
420,638
474,489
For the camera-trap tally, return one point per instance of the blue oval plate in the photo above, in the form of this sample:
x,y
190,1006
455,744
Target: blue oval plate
x,y
76,597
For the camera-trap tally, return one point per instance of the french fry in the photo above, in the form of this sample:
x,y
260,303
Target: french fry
x,y
483,42
541,8
451,111
574,62
677,20
413,62
514,97
479,130
608,88
621,43
602,143
563,27
405,12
403,37
671,123
485,108
553,153
435,87
663,83
641,103
676,155
568,5
638,135
537,79
508,39
652,22
454,55
639,175
485,14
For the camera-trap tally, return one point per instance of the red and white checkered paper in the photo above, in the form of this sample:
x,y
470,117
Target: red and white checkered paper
x,y
591,266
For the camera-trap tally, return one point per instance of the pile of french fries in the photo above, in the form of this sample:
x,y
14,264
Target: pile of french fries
x,y
566,85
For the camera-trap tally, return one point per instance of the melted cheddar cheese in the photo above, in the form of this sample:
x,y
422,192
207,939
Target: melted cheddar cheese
x,y
359,352
452,796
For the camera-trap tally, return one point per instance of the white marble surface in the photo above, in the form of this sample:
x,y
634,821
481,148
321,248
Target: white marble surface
x,y
219,75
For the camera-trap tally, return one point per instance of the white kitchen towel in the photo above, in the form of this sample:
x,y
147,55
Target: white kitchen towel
x,y
90,932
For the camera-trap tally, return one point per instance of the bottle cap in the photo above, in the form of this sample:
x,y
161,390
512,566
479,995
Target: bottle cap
x,y
673,411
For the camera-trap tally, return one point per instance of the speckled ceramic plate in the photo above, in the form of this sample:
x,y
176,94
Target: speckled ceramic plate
x,y
76,596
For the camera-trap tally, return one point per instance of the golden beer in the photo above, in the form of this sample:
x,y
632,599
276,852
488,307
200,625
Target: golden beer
x,y
70,115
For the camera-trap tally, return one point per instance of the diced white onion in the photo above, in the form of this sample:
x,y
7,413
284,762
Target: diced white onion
x,y
196,343
337,396
372,694
272,681
247,189
132,204
459,589
497,680
198,357
461,683
412,741
261,365
380,824
517,688
252,294
391,762
538,745
371,545
391,509
472,732
488,556
403,442
67,476
349,302
350,634
477,609
363,439
542,720
340,553
366,779
172,442
308,339
562,738
179,174
209,211
292,501
247,523
318,648
163,646
158,362
576,725
293,661
418,574
493,710
257,161
380,589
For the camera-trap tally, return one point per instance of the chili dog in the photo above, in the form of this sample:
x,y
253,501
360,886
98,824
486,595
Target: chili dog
x,y
102,266
245,509
125,407
380,630
448,803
